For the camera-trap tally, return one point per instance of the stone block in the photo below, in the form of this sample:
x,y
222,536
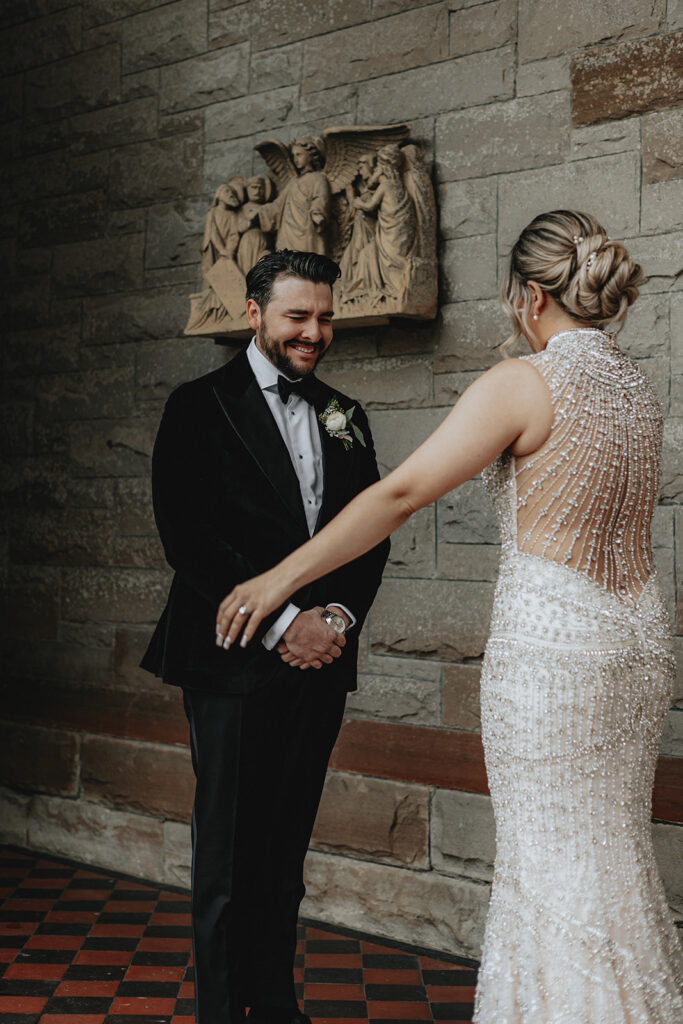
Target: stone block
x,y
140,84
503,137
65,87
223,159
468,561
431,618
672,740
142,777
646,332
661,207
84,831
72,219
88,172
17,423
163,35
100,265
177,854
672,471
468,207
248,115
463,835
149,172
397,434
468,335
613,82
543,76
67,537
484,27
230,26
49,39
668,844
397,690
604,138
559,27
663,146
100,12
459,82
15,809
674,14
11,97
39,760
448,387
661,257
382,8
210,78
465,516
118,125
42,351
468,266
276,69
382,383
141,316
92,394
376,819
162,366
113,595
29,604
407,40
677,333
283,21
428,909
134,516
129,647
174,232
461,697
413,546
612,182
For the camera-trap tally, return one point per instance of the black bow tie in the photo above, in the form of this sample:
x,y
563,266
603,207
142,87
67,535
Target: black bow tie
x,y
306,388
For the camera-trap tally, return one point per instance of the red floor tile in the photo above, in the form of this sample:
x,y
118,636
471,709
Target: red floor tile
x,y
93,957
332,992
34,972
139,1005
450,993
138,973
333,960
411,1011
22,1004
87,988
54,942
118,930
72,1018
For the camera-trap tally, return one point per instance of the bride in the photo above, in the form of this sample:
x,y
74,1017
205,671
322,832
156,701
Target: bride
x,y
578,669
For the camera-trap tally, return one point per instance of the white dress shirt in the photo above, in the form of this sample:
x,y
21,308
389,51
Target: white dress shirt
x,y
298,426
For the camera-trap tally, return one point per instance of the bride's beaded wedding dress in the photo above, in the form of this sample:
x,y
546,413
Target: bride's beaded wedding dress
x,y
575,688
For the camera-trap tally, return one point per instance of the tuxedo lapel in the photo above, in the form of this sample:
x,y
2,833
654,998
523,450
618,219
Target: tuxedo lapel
x,y
337,465
245,407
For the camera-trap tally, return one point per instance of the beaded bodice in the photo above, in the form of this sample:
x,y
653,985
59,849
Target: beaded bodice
x,y
586,497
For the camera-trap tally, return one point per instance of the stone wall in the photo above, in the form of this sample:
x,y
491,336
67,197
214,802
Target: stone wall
x,y
120,118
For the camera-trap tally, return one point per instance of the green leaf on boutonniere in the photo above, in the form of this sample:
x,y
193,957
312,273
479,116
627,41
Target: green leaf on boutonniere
x,y
359,434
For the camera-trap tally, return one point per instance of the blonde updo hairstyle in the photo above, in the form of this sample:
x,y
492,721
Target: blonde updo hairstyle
x,y
569,255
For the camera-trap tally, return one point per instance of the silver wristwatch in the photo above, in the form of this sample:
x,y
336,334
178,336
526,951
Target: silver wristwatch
x,y
333,619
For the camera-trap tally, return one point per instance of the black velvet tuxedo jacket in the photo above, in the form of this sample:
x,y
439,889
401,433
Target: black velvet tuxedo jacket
x,y
228,506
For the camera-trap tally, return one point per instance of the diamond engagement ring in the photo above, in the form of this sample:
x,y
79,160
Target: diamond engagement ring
x,y
243,609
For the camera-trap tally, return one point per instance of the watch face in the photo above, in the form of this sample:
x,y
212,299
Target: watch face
x,y
335,621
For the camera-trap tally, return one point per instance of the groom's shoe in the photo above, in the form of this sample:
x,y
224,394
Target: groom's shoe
x,y
273,1015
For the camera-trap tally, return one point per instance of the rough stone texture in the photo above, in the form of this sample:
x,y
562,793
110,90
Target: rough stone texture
x,y
397,690
282,21
382,383
167,33
413,547
614,82
39,760
558,27
374,818
151,171
14,817
177,854
468,267
140,776
484,27
70,86
465,516
668,843
468,207
461,697
463,834
215,76
663,146
428,909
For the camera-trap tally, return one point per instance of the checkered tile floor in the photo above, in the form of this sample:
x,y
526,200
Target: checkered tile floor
x,y
79,946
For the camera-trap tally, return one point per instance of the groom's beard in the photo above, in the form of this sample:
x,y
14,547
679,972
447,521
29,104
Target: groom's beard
x,y
276,352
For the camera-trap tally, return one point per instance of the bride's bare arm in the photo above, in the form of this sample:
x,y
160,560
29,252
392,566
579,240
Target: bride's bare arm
x,y
509,406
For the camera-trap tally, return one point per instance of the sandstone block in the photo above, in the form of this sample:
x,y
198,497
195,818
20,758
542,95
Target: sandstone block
x,y
463,834
114,595
94,393
70,537
134,515
467,336
129,647
431,618
39,760
162,366
73,219
118,125
15,809
408,40
327,102
397,690
561,28
148,172
663,146
100,265
275,69
83,82
140,84
413,546
468,207
465,516
383,383
459,82
604,138
220,75
168,33
177,854
142,777
468,266
485,27
430,909
661,207
49,39
137,316
29,603
543,76
282,21
247,115
397,434
661,257
646,332
668,844
468,561
375,818
448,387
461,698
230,26
674,14
613,82
99,12
230,155
503,137
612,182
84,831
672,471
677,332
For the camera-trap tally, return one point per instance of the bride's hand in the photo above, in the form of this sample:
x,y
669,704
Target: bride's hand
x,y
245,607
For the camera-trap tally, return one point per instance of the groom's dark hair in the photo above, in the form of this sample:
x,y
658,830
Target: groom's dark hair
x,y
309,266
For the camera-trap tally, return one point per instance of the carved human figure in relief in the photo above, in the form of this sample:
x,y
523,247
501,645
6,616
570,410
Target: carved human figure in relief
x,y
363,222
301,212
254,242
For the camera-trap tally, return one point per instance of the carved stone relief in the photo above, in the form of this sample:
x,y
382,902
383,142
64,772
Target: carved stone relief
x,y
362,195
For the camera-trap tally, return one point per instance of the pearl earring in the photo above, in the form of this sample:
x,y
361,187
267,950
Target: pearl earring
x,y
535,316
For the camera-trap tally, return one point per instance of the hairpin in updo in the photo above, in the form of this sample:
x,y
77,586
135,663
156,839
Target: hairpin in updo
x,y
577,239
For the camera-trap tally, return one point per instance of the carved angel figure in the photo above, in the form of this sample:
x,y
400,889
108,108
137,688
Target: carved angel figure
x,y
253,241
301,212
363,221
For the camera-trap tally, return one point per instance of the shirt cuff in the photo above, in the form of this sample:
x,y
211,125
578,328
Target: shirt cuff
x,y
336,604
281,624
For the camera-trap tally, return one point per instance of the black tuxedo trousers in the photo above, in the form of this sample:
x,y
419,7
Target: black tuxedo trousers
x,y
228,506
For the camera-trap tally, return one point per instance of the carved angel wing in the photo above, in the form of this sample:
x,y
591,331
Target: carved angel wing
x,y
420,189
276,155
345,145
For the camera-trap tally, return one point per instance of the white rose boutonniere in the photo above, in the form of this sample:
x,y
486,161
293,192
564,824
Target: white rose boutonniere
x,y
338,423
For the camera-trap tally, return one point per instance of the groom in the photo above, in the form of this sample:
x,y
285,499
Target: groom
x,y
250,461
